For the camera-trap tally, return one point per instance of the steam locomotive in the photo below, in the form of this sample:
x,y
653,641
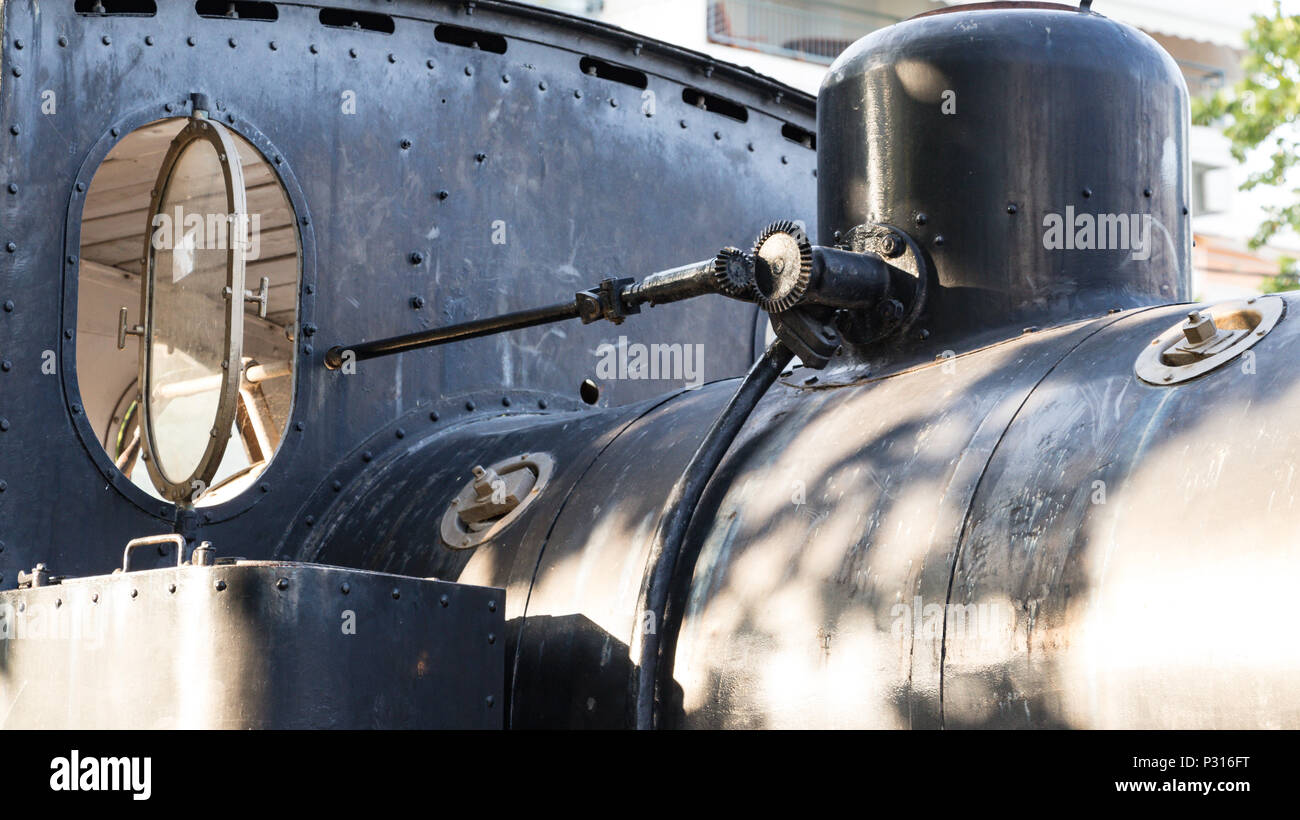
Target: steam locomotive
x,y
356,373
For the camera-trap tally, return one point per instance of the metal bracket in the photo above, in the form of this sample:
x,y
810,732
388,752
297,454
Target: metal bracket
x,y
606,302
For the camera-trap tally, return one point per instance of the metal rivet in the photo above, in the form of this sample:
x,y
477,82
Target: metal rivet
x,y
433,415
18,71
921,219
1146,192
11,246
505,78
6,365
1012,208
577,93
785,160
352,52
542,403
220,585
171,587
63,42
492,606
309,520
282,584
135,593
94,597
542,85
1087,192
405,144
233,43
397,593
399,432
9,306
469,405
307,350
67,333
337,485
367,456
169,108
4,425
444,600
480,157
274,45
106,40
81,187
13,129
416,257
491,700
264,487
492,638
428,64
345,588
443,194
18,44
469,71
505,401
392,58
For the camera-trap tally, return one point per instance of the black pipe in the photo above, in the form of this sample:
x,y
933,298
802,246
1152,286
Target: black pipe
x,y
679,509
453,333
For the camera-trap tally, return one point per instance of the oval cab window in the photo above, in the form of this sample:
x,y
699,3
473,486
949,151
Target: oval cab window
x,y
186,310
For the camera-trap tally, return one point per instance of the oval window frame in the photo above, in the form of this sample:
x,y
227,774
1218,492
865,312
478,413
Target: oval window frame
x,y
183,492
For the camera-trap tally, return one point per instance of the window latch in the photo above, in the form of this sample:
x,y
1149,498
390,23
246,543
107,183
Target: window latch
x,y
261,296
124,329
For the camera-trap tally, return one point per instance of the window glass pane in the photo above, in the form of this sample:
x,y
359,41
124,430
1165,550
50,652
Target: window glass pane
x,y
189,329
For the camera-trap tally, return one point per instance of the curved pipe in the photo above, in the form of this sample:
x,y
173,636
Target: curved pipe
x,y
679,509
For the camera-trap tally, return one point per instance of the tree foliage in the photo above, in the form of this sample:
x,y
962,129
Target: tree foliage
x,y
1264,110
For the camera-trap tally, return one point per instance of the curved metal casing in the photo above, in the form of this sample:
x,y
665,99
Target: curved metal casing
x,y
612,131
972,127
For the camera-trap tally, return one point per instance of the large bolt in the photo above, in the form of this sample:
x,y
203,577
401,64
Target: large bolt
x,y
1199,328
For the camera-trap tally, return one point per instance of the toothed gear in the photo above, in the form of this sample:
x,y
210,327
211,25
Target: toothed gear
x,y
782,266
733,273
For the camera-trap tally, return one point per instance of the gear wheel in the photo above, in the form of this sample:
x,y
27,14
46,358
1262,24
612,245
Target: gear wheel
x,y
782,266
733,274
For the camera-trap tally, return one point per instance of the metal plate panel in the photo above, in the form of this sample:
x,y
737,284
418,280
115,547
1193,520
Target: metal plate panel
x,y
255,645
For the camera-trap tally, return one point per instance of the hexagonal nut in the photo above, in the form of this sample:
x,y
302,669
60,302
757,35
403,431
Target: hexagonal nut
x,y
1199,327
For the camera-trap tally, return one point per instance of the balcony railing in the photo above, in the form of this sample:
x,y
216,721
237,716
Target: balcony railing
x,y
816,32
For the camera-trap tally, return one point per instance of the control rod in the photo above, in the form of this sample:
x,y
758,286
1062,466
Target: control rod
x,y
730,273
803,287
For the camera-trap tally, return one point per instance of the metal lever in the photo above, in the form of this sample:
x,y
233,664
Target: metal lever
x,y
123,330
730,274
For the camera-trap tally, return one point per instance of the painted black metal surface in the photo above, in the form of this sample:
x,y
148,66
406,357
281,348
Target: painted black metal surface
x,y
581,169
252,645
968,127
